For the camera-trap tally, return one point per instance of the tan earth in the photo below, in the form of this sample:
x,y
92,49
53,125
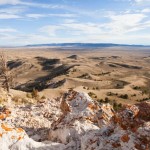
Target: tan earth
x,y
112,74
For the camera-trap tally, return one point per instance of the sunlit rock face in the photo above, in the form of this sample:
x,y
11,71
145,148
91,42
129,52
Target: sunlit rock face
x,y
75,122
127,130
15,138
80,114
9,135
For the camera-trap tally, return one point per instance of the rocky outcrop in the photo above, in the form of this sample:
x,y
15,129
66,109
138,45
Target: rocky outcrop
x,y
34,120
96,126
80,114
126,131
75,122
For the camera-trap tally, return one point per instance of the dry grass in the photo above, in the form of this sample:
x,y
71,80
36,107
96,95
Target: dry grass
x,y
96,72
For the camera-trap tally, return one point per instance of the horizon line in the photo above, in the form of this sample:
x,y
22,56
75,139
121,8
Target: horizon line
x,y
58,43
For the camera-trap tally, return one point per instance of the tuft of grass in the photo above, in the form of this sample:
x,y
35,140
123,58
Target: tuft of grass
x,y
16,99
29,95
19,100
43,97
2,100
35,93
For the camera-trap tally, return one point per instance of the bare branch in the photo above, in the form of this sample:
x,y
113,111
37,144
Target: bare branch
x,y
5,73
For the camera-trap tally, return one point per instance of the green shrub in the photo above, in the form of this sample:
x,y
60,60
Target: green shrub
x,y
136,87
107,100
74,70
93,95
124,96
117,106
101,100
97,88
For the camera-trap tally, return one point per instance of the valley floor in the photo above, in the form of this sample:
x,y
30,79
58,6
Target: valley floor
x,y
116,75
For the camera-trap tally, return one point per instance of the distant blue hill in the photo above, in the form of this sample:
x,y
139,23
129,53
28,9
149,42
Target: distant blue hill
x,y
86,45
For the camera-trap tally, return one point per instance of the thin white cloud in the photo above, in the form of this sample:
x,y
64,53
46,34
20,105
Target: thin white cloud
x,y
69,20
41,5
146,10
36,16
31,4
145,3
84,28
142,1
72,28
50,29
11,12
63,15
12,2
9,16
4,30
118,25
124,23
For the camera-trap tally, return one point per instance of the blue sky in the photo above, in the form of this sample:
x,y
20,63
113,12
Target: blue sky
x,y
25,22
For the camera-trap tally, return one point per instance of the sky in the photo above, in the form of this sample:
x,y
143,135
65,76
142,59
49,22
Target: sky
x,y
24,22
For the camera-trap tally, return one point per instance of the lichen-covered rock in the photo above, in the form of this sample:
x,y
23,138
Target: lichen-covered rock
x,y
98,127
127,117
127,130
16,138
144,112
36,119
76,122
4,113
80,114
10,135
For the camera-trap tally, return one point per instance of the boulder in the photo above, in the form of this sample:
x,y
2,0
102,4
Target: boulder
x,y
80,115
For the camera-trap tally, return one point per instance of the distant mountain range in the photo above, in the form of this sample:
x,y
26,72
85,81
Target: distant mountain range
x,y
87,45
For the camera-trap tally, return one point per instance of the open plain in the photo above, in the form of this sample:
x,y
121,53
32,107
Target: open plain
x,y
120,74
